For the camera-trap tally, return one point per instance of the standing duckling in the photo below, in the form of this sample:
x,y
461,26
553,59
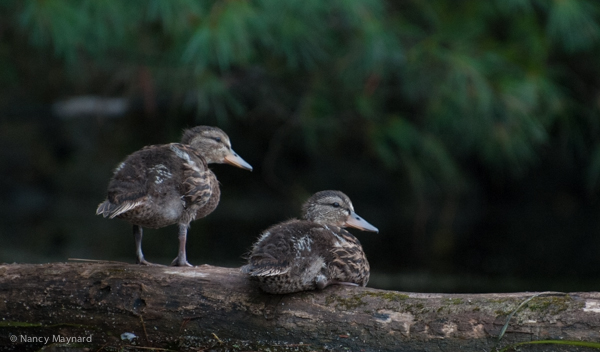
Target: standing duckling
x,y
161,185
312,253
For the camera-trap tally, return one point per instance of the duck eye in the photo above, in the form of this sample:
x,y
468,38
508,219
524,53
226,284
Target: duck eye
x,y
218,139
336,205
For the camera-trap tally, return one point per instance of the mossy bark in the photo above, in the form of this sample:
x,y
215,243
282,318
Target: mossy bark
x,y
217,308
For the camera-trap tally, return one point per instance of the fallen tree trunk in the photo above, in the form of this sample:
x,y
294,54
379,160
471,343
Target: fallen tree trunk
x,y
108,306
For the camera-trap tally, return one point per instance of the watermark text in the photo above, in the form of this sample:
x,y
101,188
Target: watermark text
x,y
50,339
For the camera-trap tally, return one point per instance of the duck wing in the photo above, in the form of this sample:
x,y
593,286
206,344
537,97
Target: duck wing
x,y
129,186
278,247
158,171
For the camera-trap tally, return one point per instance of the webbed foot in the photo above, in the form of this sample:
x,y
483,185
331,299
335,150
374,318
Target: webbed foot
x,y
180,262
143,261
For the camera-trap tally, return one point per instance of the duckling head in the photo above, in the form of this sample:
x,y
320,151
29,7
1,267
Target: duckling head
x,y
334,208
214,145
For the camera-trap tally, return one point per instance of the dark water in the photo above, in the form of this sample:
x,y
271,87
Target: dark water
x,y
538,232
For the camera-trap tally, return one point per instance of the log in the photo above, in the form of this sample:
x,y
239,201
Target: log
x,y
115,306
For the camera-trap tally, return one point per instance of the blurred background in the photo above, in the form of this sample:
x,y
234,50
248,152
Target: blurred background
x,y
467,131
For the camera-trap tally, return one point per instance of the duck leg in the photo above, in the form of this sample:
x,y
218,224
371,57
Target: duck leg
x,y
181,259
137,235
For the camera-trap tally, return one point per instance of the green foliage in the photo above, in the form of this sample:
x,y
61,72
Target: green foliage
x,y
573,25
435,83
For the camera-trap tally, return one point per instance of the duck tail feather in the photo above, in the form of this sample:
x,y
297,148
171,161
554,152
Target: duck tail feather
x,y
110,210
270,269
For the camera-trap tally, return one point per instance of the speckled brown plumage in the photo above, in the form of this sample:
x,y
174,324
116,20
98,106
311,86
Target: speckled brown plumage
x,y
161,185
312,253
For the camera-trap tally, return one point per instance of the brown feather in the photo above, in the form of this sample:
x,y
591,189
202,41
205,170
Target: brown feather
x,y
161,185
299,255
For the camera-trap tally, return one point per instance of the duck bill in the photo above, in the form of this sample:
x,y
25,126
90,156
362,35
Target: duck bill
x,y
236,160
356,221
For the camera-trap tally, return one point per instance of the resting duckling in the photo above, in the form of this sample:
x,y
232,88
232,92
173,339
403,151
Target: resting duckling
x,y
167,184
312,253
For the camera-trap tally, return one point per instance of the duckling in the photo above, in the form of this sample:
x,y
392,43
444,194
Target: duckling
x,y
161,185
312,253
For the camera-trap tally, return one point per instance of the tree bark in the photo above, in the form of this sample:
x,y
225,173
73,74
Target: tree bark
x,y
91,305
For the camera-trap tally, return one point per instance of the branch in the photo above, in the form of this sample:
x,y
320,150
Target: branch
x,y
154,307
